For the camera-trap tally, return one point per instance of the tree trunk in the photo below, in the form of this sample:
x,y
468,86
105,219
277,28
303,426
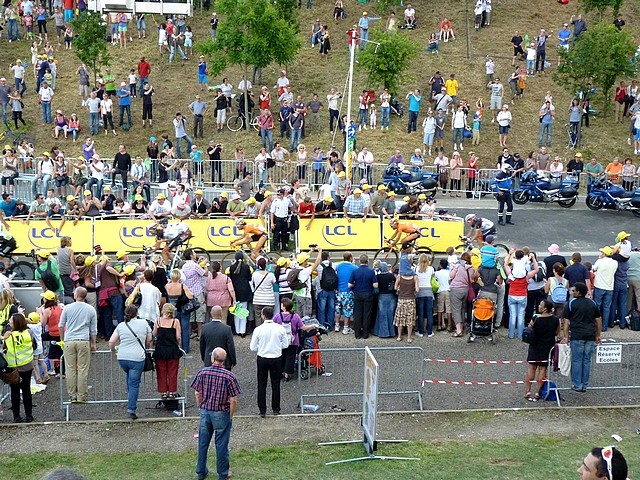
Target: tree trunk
x,y
246,97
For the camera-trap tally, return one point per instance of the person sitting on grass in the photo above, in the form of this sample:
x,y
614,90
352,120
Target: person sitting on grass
x,y
446,30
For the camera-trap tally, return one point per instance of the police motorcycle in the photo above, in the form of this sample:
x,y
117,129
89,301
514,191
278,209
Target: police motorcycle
x,y
535,187
404,181
605,194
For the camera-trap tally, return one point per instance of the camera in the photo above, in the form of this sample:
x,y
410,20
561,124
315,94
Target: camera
x,y
313,246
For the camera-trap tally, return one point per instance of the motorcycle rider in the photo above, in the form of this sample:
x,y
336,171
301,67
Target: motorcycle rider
x,y
480,228
503,186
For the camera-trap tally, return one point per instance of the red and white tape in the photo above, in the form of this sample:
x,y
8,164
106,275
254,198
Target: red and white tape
x,y
476,362
454,382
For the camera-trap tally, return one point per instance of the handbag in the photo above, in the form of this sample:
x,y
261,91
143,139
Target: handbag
x,y
185,304
11,376
149,366
435,285
471,293
135,298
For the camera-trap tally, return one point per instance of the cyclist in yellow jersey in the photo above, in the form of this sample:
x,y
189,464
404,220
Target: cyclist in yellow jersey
x,y
253,232
411,231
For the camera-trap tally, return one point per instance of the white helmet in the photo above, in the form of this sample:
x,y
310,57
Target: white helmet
x,y
468,218
240,222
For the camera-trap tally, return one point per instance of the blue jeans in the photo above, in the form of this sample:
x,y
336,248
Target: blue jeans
x,y
267,134
517,307
187,139
545,127
326,308
21,85
296,134
141,25
172,51
185,327
12,32
133,370
94,123
619,305
413,121
531,65
424,309
364,37
127,109
142,81
603,299
46,179
220,423
581,351
93,181
4,111
115,305
46,112
458,135
385,113
363,117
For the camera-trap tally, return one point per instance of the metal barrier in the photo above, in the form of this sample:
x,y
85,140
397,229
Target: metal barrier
x,y
614,366
27,292
341,376
108,385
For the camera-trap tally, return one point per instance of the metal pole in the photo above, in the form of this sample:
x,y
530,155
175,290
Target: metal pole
x,y
466,7
349,92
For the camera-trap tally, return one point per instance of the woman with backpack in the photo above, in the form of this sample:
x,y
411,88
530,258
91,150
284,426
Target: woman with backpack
x,y
262,285
557,287
292,324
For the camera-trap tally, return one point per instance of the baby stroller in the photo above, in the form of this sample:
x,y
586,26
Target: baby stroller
x,y
309,340
396,107
483,312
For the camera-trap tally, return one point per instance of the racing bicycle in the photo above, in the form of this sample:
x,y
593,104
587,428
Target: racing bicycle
x,y
236,122
391,253
467,245
21,270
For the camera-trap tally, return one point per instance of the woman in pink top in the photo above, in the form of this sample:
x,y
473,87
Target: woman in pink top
x,y
219,290
460,281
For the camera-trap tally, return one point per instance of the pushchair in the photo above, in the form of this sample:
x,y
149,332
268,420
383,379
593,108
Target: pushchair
x,y
309,340
483,311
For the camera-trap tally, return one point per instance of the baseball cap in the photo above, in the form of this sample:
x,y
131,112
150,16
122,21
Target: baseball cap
x,y
161,196
70,198
391,194
138,197
608,251
121,253
490,238
86,193
251,201
224,195
382,187
199,192
342,174
579,155
89,261
43,253
303,257
235,196
328,198
357,190
48,295
34,317
129,269
122,84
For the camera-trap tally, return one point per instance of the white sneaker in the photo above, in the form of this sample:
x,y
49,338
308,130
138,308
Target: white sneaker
x,y
628,141
418,334
365,127
360,128
431,335
346,331
455,147
336,328
493,120
461,147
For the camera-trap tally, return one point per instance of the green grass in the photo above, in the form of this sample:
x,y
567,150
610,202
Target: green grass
x,y
176,84
523,458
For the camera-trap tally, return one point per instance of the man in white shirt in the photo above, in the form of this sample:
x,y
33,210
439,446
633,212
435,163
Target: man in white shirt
x,y
18,76
268,341
409,15
365,163
605,269
160,207
332,105
45,95
241,85
96,171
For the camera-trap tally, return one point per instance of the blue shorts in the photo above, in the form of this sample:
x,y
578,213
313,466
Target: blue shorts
x,y
504,130
203,78
344,304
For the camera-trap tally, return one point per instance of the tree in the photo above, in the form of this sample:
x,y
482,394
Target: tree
x,y
254,32
388,61
601,6
90,45
599,56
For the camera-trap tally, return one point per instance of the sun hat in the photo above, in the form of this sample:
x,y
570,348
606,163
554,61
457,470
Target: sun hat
x,y
553,249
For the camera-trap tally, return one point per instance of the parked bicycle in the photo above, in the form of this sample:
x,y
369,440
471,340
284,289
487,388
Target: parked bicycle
x,y
15,136
236,122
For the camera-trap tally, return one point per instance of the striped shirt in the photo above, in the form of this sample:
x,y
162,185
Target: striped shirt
x,y
216,386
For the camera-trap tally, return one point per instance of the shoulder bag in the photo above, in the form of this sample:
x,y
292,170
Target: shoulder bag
x,y
148,359
188,305
471,293
11,376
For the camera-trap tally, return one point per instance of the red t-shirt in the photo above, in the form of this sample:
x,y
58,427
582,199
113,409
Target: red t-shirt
x,y
518,287
304,208
68,4
144,68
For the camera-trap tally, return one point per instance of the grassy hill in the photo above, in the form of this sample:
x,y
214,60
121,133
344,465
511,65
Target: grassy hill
x,y
176,84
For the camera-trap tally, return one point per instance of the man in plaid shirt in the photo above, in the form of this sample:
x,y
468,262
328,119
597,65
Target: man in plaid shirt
x,y
217,390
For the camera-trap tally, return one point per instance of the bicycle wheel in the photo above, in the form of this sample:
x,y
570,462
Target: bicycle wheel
x,y
427,251
234,123
22,137
227,260
388,255
21,271
502,248
201,252
254,124
460,249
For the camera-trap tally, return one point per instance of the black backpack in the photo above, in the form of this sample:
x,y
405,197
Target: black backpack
x,y
542,272
293,280
49,279
329,279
